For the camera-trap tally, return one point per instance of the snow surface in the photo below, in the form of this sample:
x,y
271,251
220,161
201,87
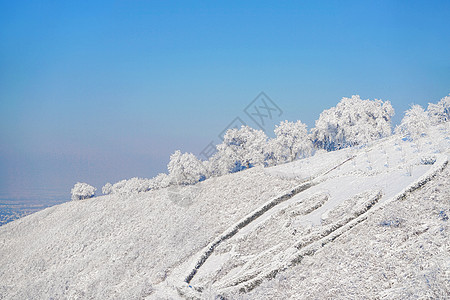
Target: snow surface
x,y
401,252
120,247
354,223
266,245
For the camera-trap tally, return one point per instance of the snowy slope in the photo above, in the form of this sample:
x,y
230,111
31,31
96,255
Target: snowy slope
x,y
401,252
235,233
361,181
121,246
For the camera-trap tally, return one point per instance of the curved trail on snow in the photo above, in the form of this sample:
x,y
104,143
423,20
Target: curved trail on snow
x,y
253,216
299,250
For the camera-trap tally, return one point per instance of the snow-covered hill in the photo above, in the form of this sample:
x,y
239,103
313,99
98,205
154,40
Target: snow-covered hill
x,y
400,252
121,246
359,222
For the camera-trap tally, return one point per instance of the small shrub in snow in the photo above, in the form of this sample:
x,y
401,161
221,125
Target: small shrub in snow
x,y
409,169
82,191
396,222
443,216
137,185
133,185
428,160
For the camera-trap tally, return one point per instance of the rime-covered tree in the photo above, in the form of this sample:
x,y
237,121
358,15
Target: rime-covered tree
x,y
241,148
82,191
291,142
415,123
128,186
107,189
185,168
162,180
352,122
220,163
137,185
440,112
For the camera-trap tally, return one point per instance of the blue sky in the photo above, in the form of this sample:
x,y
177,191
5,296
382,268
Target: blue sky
x,y
105,90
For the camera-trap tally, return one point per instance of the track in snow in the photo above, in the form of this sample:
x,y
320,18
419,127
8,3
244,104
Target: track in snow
x,y
235,229
224,266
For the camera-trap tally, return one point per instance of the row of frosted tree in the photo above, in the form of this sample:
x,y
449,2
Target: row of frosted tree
x,y
352,122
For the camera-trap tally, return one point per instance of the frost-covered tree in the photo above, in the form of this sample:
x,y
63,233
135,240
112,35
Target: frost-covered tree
x,y
291,142
352,122
82,191
241,148
132,185
439,112
107,189
220,164
137,185
162,180
185,168
415,123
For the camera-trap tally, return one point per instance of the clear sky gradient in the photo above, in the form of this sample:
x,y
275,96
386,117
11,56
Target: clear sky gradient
x,y
99,91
